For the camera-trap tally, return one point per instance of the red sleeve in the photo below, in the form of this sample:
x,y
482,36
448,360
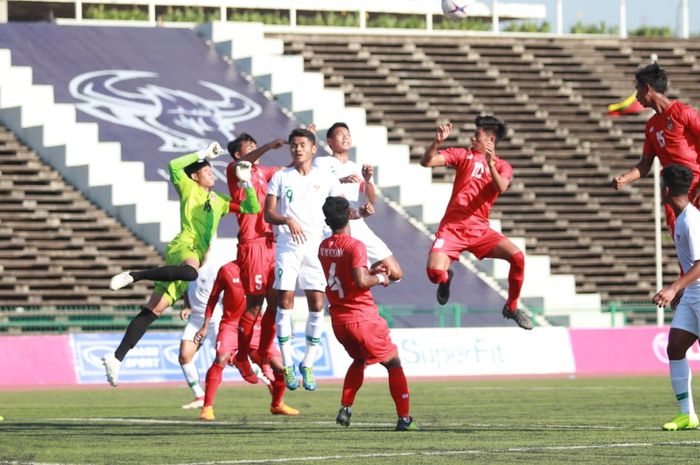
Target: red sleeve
x,y
268,171
691,121
358,255
215,292
452,155
648,148
505,169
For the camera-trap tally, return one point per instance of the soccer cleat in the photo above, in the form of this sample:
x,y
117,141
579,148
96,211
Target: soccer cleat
x,y
283,409
406,425
682,421
198,402
207,414
344,415
518,316
112,366
120,280
290,378
307,376
443,290
245,369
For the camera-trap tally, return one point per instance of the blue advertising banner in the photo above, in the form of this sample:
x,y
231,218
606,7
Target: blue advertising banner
x,y
155,358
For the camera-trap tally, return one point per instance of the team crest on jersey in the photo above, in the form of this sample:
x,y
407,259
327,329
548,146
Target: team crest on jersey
x,y
669,124
185,122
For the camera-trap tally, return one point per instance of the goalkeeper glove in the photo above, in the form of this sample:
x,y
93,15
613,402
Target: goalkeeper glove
x,y
212,151
244,173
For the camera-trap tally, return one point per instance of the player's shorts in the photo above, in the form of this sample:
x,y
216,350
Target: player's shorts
x,y
687,315
367,340
477,241
227,339
176,253
256,260
377,250
194,323
299,264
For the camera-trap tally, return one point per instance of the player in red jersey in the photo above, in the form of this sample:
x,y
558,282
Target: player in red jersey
x,y
228,281
256,255
672,134
481,177
354,315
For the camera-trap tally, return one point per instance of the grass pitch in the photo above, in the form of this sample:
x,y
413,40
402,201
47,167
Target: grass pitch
x,y
525,421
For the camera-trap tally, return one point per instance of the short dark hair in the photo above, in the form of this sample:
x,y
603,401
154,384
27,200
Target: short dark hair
x,y
493,125
653,75
335,126
196,166
337,212
300,132
678,179
236,144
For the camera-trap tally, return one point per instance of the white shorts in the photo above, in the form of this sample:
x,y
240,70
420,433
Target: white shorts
x,y
377,250
299,264
687,316
195,322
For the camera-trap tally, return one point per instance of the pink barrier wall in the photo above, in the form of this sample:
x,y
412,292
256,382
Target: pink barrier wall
x,y
624,351
26,360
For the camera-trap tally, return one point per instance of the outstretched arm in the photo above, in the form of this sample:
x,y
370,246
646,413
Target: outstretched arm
x,y
431,157
639,171
254,155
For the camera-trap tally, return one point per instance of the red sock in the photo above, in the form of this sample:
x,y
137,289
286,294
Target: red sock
x,y
245,334
214,376
353,382
399,391
278,388
515,280
437,276
267,332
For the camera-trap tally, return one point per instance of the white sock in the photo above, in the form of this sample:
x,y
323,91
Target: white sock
x,y
192,378
314,331
283,321
680,380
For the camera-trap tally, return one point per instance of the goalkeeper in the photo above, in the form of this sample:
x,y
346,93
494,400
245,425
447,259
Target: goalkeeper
x,y
200,212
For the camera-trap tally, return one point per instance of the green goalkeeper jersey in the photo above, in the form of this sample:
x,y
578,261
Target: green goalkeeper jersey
x,y
200,209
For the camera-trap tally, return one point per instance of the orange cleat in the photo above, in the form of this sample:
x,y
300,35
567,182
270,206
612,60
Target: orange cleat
x,y
283,409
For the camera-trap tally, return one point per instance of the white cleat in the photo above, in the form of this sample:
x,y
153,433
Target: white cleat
x,y
112,366
197,403
120,280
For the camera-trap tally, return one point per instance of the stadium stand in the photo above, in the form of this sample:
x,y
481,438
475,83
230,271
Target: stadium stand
x,y
58,250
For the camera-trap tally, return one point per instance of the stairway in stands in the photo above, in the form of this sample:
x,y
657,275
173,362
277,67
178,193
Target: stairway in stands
x,y
56,248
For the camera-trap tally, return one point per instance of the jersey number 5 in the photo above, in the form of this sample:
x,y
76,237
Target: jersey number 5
x,y
334,282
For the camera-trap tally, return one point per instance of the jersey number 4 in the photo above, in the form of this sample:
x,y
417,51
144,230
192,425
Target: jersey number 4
x,y
334,282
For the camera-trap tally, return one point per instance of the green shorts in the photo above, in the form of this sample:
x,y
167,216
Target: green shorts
x,y
175,254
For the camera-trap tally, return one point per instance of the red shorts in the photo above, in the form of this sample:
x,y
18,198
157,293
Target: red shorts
x,y
477,241
227,339
257,263
367,340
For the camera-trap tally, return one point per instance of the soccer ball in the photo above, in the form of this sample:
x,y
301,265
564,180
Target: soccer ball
x,y
456,9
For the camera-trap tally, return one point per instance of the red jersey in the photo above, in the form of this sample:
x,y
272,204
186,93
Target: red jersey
x,y
674,137
339,255
473,191
251,227
228,281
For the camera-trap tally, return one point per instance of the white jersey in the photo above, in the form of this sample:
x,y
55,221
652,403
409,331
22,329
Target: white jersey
x,y
301,198
687,240
377,250
352,191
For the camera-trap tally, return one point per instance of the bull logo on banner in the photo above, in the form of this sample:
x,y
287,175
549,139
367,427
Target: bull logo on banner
x,y
185,122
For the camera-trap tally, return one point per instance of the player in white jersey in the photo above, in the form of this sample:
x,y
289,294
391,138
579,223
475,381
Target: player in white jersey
x,y
294,202
357,186
196,303
684,293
